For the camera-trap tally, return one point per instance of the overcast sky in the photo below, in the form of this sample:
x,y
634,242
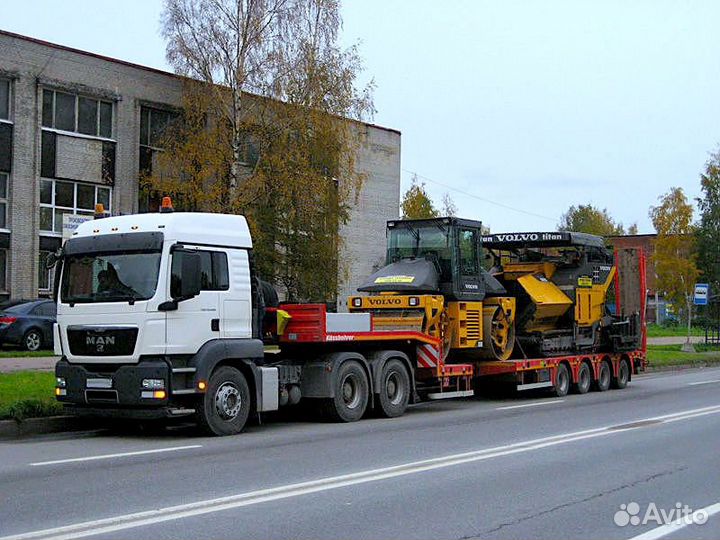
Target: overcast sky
x,y
517,108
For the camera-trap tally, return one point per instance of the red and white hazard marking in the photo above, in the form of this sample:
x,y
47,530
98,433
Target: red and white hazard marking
x,y
428,356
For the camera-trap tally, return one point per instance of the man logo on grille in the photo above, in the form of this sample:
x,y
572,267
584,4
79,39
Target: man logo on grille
x,y
99,342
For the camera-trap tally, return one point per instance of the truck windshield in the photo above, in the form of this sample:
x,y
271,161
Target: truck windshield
x,y
110,277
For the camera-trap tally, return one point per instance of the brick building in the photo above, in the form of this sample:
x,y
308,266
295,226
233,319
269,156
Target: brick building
x,y
76,129
646,242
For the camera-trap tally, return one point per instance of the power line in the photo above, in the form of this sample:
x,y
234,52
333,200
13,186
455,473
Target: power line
x,y
468,194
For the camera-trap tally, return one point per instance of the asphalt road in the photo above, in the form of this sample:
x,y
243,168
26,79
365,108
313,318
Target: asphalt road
x,y
530,467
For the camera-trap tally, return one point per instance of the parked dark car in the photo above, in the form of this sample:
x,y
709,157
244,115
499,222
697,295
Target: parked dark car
x,y
29,325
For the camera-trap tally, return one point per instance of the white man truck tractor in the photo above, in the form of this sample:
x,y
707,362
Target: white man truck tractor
x,y
162,315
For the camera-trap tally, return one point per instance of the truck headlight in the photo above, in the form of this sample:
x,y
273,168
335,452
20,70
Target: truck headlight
x,y
60,382
153,384
414,301
357,302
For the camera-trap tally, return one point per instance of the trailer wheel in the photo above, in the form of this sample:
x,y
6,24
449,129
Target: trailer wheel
x,y
225,406
584,379
623,376
604,377
394,389
351,394
562,380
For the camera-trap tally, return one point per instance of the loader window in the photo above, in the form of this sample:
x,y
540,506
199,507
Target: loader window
x,y
468,252
431,242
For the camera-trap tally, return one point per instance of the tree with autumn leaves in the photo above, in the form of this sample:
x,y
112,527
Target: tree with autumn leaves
x,y
268,129
675,253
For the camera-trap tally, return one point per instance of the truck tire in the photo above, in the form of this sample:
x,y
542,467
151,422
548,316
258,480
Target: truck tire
x,y
351,394
562,381
224,408
394,391
584,379
604,376
623,376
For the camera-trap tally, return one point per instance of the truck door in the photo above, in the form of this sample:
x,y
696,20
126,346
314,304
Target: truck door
x,y
197,320
236,306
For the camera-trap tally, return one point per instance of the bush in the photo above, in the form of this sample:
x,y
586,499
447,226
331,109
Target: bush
x,y
32,408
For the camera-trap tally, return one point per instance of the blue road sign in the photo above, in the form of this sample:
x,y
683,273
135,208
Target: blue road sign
x,y
702,292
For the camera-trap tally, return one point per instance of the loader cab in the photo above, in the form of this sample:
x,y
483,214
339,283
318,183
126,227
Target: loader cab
x,y
451,244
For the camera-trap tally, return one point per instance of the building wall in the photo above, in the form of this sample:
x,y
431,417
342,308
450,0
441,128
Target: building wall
x,y
48,153
363,249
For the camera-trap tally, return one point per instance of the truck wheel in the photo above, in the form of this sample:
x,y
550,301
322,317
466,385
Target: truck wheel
x,y
394,389
623,376
562,381
351,394
225,406
604,377
584,379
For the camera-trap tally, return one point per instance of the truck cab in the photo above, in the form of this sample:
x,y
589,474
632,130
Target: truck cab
x,y
148,306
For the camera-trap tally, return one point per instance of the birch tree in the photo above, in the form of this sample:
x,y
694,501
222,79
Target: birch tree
x,y
675,254
269,129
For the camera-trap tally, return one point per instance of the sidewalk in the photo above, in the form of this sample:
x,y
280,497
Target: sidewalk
x,y
36,363
674,340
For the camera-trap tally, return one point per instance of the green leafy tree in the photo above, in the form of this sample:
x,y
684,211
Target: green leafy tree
x,y
588,219
675,257
708,230
268,130
416,203
632,229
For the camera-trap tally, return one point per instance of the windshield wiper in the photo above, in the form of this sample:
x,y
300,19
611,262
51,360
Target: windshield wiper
x,y
130,298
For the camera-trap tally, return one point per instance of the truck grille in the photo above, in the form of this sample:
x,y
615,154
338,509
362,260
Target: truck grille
x,y
88,341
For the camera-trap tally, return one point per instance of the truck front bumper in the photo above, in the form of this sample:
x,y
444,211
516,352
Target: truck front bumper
x,y
154,413
117,391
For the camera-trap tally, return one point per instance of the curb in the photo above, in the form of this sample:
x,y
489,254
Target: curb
x,y
12,429
681,367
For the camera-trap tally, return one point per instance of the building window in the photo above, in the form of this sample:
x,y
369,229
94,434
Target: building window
x,y
79,114
45,274
3,199
153,123
4,99
58,197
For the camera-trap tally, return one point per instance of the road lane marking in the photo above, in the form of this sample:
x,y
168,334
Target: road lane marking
x,y
680,523
710,381
111,456
535,404
160,515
